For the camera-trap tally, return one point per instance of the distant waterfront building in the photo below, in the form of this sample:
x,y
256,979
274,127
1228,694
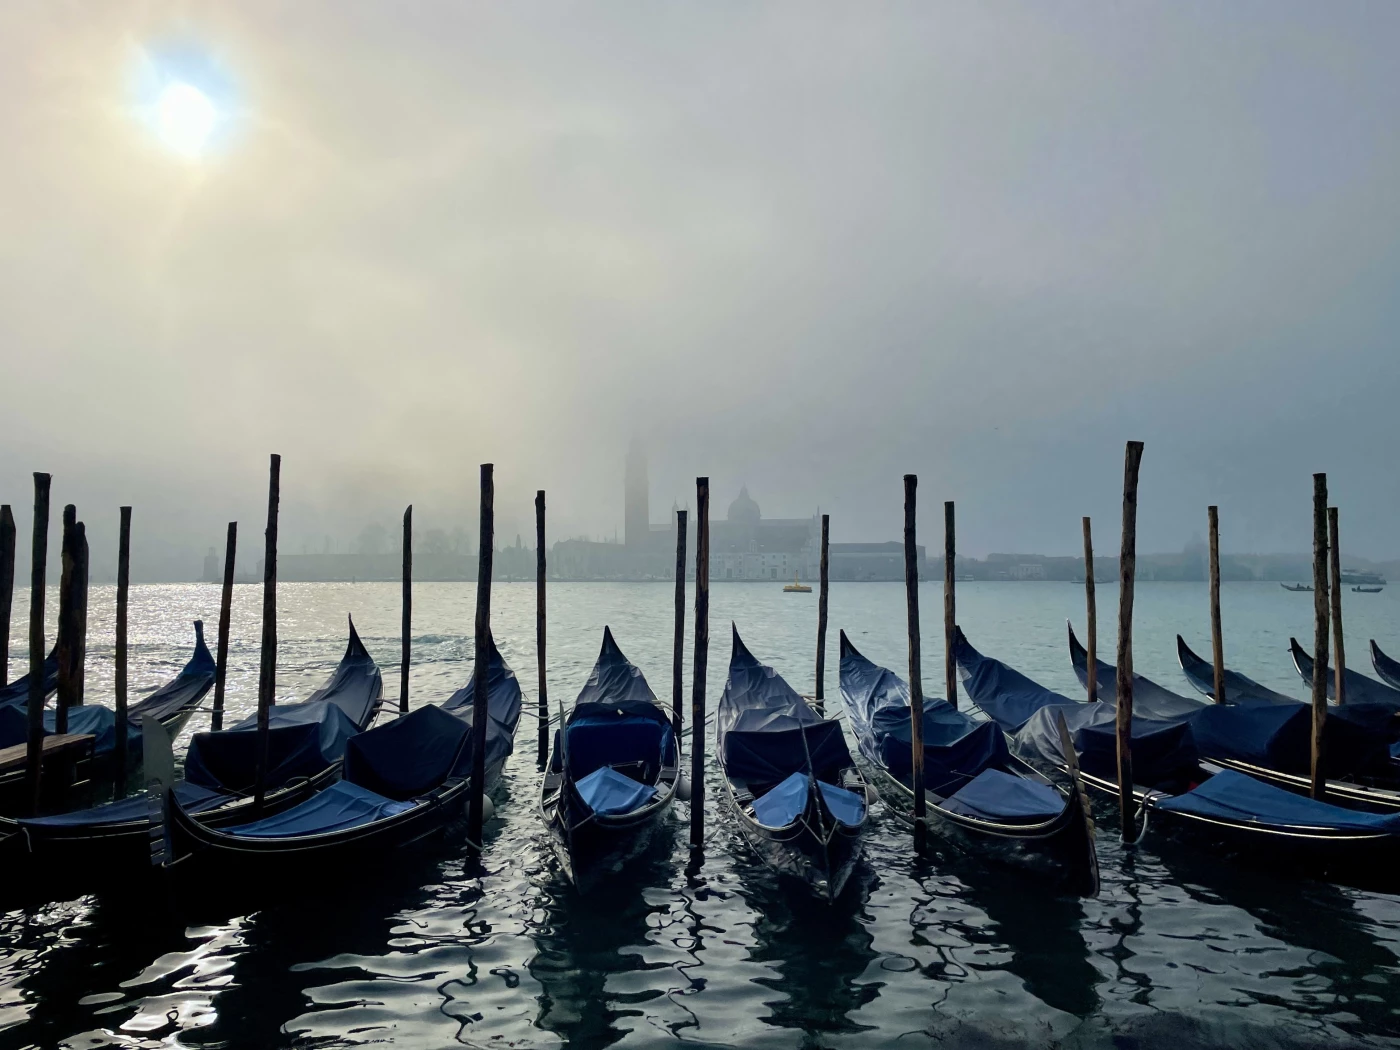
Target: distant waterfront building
x,y
870,561
211,568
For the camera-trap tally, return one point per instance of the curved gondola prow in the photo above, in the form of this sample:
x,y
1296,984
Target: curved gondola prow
x,y
1387,668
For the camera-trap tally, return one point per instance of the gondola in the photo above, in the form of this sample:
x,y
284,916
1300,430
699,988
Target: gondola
x,y
17,692
306,743
1269,736
1193,795
503,703
612,774
171,705
978,794
1238,689
1359,687
790,782
403,781
1388,669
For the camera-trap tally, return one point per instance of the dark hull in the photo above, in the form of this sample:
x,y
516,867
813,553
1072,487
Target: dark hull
x,y
1062,848
1386,668
823,863
594,848
435,812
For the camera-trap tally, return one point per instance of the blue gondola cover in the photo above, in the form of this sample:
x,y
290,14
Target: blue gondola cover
x,y
608,792
17,691
411,755
1162,751
1234,796
303,739
997,796
503,700
338,808
616,734
192,799
784,803
1003,693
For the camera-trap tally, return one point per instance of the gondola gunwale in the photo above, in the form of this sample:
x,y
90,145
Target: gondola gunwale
x,y
1387,668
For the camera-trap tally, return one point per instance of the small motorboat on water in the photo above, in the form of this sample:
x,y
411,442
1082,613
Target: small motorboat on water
x,y
613,773
790,782
1296,587
1368,590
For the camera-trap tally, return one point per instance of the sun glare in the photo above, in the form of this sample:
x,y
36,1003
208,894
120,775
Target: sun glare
x,y
185,118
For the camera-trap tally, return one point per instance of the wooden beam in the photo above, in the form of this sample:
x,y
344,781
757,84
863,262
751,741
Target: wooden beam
x,y
678,641
267,667
38,579
950,609
541,664
1127,568
1321,617
120,679
916,677
406,628
1091,609
225,612
702,652
476,797
824,574
1217,637
1339,665
7,586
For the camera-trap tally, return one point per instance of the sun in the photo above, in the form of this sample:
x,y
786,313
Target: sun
x,y
185,118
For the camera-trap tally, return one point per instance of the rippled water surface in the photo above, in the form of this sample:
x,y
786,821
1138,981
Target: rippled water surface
x,y
426,949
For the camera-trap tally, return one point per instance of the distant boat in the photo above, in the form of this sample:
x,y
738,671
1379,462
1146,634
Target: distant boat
x,y
797,588
1368,590
1363,578
1295,587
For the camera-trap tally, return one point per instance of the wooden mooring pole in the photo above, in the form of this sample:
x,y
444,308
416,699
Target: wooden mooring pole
x,y
225,612
1321,615
7,587
823,573
1092,614
1339,665
541,572
1127,568
1217,637
67,621
119,680
950,607
267,670
406,629
678,642
916,679
476,796
702,652
38,577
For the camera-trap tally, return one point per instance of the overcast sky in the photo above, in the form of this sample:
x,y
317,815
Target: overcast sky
x,y
807,247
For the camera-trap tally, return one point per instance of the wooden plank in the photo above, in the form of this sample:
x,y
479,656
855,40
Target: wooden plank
x,y
54,744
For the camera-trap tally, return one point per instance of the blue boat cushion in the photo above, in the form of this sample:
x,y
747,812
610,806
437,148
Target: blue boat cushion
x,y
765,757
846,806
338,808
1237,797
606,792
302,740
628,733
783,804
998,796
411,755
192,799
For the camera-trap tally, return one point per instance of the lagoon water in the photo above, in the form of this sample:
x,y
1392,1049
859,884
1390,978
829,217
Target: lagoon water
x,y
1181,947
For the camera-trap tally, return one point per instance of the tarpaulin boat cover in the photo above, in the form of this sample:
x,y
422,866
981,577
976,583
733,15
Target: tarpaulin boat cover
x,y
783,804
606,792
998,796
302,740
502,706
17,692
1162,751
1236,797
1386,667
338,808
356,685
1279,736
1150,700
765,730
616,721
1238,689
1359,687
956,747
181,693
410,756
1003,694
192,799
89,720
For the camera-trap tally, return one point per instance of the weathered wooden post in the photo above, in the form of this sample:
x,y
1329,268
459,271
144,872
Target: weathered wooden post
x,y
1092,613
67,621
406,630
541,571
678,642
7,587
267,670
1335,558
225,612
119,677
476,812
1127,567
1321,616
950,609
1217,637
823,572
702,652
916,675
38,577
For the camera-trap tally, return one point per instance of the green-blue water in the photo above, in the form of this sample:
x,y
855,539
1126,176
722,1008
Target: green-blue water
x,y
1181,946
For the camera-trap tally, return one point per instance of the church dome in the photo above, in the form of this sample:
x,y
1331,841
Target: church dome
x,y
744,510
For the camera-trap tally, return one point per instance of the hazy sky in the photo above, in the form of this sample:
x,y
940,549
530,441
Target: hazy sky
x,y
808,247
